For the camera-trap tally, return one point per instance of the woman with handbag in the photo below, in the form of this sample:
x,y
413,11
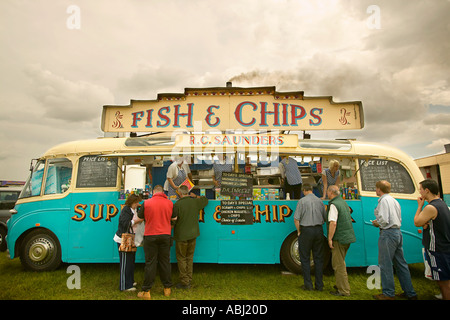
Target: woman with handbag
x,y
125,242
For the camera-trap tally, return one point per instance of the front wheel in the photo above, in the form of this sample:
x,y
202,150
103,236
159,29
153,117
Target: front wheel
x,y
290,256
40,251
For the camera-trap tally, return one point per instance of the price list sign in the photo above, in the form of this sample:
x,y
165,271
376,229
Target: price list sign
x,y
237,184
380,169
236,212
97,172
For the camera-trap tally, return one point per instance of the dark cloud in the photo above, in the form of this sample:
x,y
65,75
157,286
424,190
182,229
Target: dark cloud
x,y
397,71
60,78
62,99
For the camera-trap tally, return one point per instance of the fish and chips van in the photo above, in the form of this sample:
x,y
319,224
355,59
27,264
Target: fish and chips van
x,y
231,141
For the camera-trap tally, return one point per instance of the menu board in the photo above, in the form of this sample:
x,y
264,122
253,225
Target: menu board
x,y
236,211
97,172
237,184
378,169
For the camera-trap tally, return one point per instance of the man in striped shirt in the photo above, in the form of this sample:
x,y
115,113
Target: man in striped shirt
x,y
435,220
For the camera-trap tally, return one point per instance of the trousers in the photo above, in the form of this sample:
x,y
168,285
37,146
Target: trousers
x,y
294,190
157,257
311,239
338,254
185,258
127,260
390,253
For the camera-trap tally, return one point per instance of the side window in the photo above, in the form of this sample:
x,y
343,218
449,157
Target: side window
x,y
380,169
59,175
8,199
97,172
33,185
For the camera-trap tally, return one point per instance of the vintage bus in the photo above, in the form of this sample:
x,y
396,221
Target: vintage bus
x,y
68,210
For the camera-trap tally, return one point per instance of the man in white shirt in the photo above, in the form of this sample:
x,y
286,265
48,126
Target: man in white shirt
x,y
390,245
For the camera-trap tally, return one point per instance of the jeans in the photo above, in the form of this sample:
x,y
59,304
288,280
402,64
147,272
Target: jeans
x,y
157,256
311,239
390,253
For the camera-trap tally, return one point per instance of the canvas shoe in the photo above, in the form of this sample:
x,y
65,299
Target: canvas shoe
x,y
144,295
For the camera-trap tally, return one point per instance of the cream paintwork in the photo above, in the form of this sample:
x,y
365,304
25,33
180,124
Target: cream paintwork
x,y
234,109
116,147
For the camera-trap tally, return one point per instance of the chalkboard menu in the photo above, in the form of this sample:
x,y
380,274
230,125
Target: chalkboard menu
x,y
378,169
236,211
97,172
237,184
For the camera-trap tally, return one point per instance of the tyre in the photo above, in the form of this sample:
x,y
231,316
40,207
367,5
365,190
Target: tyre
x,y
290,256
3,232
40,251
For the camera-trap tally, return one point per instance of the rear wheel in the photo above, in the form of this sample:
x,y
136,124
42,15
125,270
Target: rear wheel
x,y
40,251
290,256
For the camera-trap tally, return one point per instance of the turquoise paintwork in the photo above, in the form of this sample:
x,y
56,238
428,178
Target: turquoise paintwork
x,y
91,239
447,199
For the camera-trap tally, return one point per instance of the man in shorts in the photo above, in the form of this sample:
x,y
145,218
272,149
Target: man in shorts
x,y
435,220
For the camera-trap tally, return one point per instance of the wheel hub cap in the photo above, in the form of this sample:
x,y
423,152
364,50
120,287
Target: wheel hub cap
x,y
40,250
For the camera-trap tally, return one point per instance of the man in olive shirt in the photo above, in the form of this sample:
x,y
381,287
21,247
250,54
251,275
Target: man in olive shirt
x,y
340,236
186,231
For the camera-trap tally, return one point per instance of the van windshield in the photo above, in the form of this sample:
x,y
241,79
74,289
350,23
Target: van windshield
x,y
58,175
33,185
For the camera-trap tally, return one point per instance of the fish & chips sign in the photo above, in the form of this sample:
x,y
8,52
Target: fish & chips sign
x,y
233,108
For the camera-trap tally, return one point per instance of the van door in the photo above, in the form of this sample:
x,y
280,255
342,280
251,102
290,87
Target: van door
x,y
403,189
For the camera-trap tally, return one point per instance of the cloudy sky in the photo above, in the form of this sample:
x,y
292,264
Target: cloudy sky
x,y
61,61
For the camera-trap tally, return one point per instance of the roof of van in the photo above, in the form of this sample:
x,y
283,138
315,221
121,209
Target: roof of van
x,y
164,144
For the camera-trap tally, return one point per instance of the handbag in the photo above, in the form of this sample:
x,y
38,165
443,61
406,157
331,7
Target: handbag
x,y
127,244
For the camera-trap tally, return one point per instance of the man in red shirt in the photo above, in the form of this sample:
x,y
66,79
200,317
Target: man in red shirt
x,y
158,215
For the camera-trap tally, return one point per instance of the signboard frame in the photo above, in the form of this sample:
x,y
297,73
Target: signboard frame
x,y
225,108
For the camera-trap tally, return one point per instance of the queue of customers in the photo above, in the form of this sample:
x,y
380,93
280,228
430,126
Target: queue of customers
x,y
311,214
160,215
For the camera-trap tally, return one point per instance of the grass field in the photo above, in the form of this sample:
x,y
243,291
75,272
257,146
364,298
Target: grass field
x,y
210,282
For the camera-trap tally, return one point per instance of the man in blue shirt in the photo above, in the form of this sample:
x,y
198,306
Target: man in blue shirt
x,y
309,217
390,245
